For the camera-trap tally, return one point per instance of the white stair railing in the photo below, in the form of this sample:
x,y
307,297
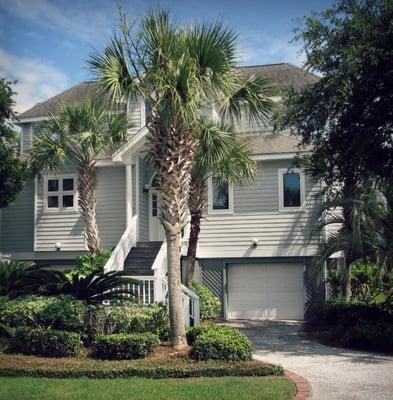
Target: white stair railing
x,y
123,247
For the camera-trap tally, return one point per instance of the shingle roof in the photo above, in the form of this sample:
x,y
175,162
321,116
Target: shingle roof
x,y
281,75
75,94
275,143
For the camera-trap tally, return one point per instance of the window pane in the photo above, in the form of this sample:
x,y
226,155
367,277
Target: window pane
x,y
53,201
68,184
68,201
220,195
154,205
53,185
291,189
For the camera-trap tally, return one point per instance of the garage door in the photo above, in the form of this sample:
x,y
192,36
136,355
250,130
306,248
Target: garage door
x,y
265,291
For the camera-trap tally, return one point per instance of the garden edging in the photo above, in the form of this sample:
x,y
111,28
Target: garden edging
x,y
303,388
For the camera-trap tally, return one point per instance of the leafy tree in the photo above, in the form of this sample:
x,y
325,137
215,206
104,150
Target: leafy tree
x,y
222,153
348,114
177,70
79,135
13,170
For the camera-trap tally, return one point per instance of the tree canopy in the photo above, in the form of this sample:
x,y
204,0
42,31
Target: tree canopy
x,y
348,114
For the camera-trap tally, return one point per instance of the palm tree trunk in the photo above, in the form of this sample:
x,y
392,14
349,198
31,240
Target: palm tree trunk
x,y
171,150
348,281
87,184
196,204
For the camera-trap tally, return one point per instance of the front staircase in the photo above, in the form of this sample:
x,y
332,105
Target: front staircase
x,y
140,259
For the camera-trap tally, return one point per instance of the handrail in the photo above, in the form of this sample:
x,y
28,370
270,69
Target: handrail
x,y
123,247
160,262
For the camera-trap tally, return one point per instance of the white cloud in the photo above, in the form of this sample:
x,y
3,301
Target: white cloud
x,y
37,79
72,18
261,48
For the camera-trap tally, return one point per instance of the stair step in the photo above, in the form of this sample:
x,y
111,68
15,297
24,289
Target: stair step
x,y
148,244
139,271
138,261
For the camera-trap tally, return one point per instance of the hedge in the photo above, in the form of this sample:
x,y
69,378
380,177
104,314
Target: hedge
x,y
221,344
125,346
173,368
210,304
45,342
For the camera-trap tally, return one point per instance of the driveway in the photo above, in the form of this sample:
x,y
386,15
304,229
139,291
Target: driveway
x,y
334,373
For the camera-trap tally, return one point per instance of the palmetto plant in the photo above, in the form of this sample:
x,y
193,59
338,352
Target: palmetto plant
x,y
79,135
11,272
177,70
226,155
92,288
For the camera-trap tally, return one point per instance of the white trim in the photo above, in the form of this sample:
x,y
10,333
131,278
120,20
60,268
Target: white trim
x,y
281,172
128,194
30,119
60,193
211,211
133,142
137,195
275,156
35,213
108,163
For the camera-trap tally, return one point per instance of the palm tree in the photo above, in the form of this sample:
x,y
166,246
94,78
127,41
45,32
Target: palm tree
x,y
11,272
95,287
178,71
222,153
79,135
354,212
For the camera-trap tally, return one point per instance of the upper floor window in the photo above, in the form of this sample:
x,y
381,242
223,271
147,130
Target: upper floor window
x,y
60,193
220,196
291,185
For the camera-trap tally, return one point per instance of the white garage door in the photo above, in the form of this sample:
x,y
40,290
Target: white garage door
x,y
265,291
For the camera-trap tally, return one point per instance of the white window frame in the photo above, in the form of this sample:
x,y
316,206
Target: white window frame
x,y
281,173
60,193
210,198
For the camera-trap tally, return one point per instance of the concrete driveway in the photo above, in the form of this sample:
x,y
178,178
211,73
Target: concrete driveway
x,y
334,373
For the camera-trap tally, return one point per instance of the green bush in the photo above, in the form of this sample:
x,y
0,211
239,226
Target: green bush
x,y
45,342
6,331
62,312
366,335
209,303
89,263
125,346
128,318
222,344
193,332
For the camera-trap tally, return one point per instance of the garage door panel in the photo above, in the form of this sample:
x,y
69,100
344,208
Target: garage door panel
x,y
265,291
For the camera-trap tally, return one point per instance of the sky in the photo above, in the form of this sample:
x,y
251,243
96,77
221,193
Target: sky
x,y
44,44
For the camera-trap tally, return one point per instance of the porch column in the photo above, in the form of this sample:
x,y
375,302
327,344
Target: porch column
x,y
128,194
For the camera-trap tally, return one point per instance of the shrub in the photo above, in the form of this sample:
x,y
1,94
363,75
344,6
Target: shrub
x,y
366,335
125,346
89,263
11,272
45,342
195,331
222,344
209,303
6,331
128,318
62,312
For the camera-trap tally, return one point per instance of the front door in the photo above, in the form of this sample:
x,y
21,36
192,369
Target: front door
x,y
156,230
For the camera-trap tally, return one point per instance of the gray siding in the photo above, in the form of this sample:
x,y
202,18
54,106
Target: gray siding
x,y
66,227
145,174
17,222
136,115
256,215
27,137
111,201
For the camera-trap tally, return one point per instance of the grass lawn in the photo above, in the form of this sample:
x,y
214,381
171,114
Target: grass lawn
x,y
237,388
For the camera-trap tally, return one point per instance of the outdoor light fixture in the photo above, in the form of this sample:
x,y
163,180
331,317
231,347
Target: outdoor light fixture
x,y
255,242
146,188
58,246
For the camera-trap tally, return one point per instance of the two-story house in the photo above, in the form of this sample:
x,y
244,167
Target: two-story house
x,y
255,247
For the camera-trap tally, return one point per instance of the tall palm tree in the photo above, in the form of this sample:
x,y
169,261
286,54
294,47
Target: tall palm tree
x,y
79,134
354,212
220,152
177,70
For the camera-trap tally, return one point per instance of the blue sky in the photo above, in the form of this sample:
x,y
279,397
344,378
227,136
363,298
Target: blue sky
x,y
44,44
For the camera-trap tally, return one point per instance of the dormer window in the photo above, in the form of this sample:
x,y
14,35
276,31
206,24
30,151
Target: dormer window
x,y
60,193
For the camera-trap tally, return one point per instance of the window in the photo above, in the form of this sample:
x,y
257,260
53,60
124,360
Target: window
x,y
60,193
220,196
291,185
